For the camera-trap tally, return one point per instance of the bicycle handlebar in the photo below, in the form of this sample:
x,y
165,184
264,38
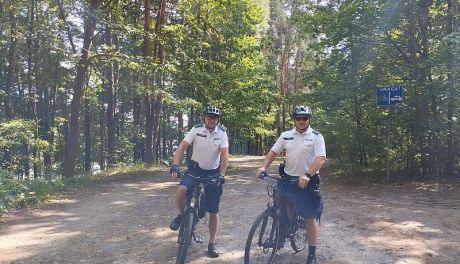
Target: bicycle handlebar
x,y
210,178
292,179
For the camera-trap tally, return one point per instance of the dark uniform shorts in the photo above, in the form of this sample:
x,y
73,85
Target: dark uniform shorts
x,y
308,201
212,192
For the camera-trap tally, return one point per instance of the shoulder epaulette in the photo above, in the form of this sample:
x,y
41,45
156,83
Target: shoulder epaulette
x,y
199,125
316,132
224,129
288,138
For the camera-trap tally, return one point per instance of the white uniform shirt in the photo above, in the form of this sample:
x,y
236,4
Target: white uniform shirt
x,y
206,146
301,149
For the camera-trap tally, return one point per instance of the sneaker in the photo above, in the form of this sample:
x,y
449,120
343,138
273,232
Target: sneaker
x,y
212,251
175,223
311,260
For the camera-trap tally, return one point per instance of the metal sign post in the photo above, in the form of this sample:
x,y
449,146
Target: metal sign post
x,y
388,143
388,96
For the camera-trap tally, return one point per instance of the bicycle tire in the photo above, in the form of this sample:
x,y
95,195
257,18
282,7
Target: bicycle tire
x,y
300,236
299,241
186,235
262,242
201,210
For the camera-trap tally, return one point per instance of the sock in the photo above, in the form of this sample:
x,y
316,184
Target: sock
x,y
311,251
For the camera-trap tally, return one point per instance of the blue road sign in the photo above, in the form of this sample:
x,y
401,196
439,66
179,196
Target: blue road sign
x,y
389,95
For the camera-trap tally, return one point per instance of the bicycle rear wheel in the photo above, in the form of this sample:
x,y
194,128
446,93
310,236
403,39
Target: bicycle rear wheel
x,y
262,242
185,237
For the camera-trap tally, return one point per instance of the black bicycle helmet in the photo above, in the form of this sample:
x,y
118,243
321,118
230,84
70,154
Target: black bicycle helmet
x,y
301,110
212,110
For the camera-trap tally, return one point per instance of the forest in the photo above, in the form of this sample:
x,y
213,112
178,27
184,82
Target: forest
x,y
89,85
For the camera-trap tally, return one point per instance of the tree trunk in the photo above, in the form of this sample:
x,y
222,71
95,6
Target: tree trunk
x,y
116,78
180,126
282,78
12,62
47,159
283,84
419,105
137,155
452,83
72,143
10,79
63,16
46,125
164,126
87,135
154,103
102,111
259,145
110,96
147,101
158,102
30,100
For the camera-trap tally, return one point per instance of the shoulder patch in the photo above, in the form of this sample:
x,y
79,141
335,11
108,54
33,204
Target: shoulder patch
x,y
316,132
223,128
288,138
199,125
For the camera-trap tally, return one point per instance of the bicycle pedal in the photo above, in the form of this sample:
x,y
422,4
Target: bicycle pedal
x,y
197,238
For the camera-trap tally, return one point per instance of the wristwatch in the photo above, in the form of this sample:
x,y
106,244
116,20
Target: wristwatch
x,y
308,175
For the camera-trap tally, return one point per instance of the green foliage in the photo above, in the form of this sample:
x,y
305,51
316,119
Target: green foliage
x,y
228,53
218,61
359,46
17,193
16,134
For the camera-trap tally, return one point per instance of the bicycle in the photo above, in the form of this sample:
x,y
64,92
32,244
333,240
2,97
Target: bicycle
x,y
193,212
274,225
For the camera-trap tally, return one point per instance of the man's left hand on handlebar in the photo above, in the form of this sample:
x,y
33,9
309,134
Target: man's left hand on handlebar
x,y
259,171
174,170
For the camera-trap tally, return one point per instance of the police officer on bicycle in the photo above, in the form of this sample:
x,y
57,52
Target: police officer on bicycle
x,y
209,156
305,155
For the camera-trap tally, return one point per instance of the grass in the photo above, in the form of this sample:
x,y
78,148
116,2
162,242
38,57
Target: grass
x,y
23,193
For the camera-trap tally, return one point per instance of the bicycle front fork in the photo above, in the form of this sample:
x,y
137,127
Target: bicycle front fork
x,y
196,237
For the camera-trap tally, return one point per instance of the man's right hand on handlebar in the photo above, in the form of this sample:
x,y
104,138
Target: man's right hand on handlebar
x,y
174,170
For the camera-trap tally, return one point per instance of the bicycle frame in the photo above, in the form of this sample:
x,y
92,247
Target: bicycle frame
x,y
190,217
287,217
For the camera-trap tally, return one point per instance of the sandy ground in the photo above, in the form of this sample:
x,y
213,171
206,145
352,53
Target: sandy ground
x,y
125,219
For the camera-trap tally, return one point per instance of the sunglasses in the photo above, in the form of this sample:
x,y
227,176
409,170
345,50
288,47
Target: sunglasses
x,y
212,116
301,118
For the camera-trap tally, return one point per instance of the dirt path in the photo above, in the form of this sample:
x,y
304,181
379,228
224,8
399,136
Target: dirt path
x,y
125,220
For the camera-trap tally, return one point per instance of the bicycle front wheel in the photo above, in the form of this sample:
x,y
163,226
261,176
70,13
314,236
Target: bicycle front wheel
x,y
185,237
262,242
299,240
201,210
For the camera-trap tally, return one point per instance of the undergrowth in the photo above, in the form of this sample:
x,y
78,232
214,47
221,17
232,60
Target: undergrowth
x,y
23,193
